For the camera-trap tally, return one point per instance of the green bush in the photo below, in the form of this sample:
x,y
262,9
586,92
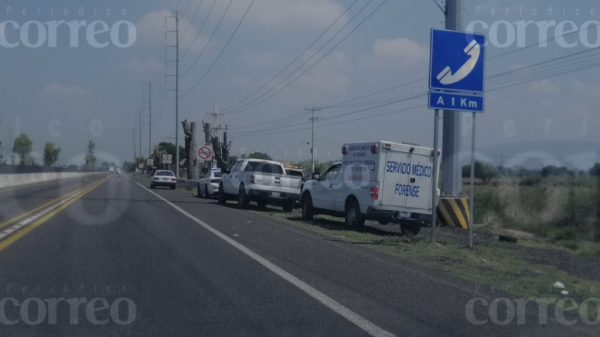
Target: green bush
x,y
488,203
531,181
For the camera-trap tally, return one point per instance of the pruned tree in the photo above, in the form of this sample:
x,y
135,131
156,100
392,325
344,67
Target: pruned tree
x,y
51,154
221,151
189,129
22,147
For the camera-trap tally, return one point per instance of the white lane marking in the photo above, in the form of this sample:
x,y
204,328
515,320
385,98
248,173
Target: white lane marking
x,y
35,216
329,302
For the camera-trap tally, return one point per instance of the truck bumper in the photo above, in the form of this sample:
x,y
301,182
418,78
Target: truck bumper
x,y
266,195
379,214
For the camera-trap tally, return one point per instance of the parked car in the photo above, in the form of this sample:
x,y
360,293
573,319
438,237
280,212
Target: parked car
x,y
297,172
263,181
382,181
208,186
163,178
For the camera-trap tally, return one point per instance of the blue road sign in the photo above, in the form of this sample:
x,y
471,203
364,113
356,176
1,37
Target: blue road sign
x,y
457,61
449,101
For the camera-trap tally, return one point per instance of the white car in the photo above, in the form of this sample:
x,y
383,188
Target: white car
x,y
163,178
209,185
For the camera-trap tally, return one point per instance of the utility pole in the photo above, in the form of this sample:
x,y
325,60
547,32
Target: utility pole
x,y
177,96
451,170
140,114
149,118
313,119
134,156
176,75
12,154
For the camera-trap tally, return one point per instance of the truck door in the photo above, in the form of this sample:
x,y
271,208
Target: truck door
x,y
324,192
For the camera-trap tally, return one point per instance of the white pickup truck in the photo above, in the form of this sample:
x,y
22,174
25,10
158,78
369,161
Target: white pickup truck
x,y
263,181
379,180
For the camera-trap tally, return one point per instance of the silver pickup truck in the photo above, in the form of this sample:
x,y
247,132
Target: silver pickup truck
x,y
263,181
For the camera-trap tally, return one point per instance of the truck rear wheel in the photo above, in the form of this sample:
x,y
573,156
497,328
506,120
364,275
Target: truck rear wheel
x,y
243,198
354,219
288,206
410,228
308,211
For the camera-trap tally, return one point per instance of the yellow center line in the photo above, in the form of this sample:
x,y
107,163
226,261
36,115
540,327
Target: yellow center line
x,y
19,217
14,238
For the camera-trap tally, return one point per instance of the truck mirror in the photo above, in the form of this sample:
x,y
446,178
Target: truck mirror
x,y
224,170
315,176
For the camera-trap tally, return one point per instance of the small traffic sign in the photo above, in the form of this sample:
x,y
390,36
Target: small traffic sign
x,y
457,61
448,101
205,153
141,166
167,159
150,162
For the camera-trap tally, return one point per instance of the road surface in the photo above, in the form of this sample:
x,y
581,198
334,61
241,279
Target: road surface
x,y
106,256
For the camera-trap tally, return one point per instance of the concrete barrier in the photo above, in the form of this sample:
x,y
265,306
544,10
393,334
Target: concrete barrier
x,y
12,180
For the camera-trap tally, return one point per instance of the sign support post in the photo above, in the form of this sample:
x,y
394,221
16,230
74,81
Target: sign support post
x,y
456,83
472,194
434,183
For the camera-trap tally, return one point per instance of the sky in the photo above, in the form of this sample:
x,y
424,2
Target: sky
x,y
72,95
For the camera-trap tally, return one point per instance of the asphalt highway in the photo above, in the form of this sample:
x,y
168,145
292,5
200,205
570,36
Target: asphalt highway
x,y
107,256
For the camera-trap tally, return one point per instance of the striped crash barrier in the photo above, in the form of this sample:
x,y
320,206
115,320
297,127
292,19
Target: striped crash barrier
x,y
454,212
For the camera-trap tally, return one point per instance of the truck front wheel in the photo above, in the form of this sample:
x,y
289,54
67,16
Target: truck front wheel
x,y
307,208
222,197
354,219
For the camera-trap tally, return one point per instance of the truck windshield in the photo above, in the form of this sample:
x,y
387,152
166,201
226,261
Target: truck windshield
x,y
263,168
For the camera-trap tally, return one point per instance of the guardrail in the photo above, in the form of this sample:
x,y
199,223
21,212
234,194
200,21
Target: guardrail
x,y
22,169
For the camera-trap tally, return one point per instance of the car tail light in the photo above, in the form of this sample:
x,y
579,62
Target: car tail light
x,y
374,149
252,180
374,192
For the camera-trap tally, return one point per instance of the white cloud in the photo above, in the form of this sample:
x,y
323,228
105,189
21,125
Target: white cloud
x,y
139,65
59,91
152,27
242,80
400,51
327,75
544,87
261,59
311,14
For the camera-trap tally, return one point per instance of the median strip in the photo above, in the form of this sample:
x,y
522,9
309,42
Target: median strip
x,y
37,219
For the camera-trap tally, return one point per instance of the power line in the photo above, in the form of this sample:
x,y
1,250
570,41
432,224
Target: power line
x,y
210,39
297,57
244,107
191,21
222,51
199,30
537,76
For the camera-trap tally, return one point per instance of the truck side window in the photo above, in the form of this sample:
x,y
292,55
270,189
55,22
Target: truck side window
x,y
331,173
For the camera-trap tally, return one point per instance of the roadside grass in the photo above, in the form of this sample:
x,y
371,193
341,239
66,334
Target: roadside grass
x,y
563,210
497,265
